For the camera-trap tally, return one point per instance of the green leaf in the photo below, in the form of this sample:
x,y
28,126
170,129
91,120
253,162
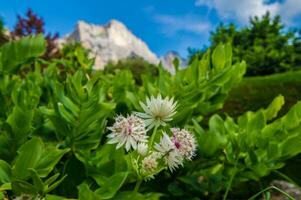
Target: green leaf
x,y
5,186
55,184
273,109
130,195
5,172
55,197
20,122
38,183
16,53
228,54
212,140
114,183
292,145
33,155
204,66
51,179
22,187
29,155
65,114
86,194
48,160
219,58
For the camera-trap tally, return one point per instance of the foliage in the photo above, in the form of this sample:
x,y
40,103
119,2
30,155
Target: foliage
x,y
245,149
54,123
1,26
1,31
254,93
264,44
32,24
138,66
69,59
15,54
3,36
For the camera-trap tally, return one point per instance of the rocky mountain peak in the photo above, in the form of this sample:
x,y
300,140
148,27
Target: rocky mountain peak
x,y
114,41
167,61
115,24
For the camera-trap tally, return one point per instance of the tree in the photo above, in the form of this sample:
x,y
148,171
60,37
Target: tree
x,y
3,37
264,44
32,24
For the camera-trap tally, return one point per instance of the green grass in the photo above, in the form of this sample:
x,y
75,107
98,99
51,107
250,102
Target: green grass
x,y
257,92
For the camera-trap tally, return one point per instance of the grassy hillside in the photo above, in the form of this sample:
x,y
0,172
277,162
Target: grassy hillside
x,y
257,92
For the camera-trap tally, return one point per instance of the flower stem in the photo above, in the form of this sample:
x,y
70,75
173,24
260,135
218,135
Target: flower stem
x,y
270,188
153,136
138,183
231,179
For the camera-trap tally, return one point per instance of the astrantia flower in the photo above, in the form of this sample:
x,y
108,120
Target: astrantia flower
x,y
172,157
149,164
128,131
142,149
184,142
157,111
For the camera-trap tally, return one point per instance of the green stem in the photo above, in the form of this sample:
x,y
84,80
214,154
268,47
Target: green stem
x,y
287,178
153,136
275,188
138,183
231,180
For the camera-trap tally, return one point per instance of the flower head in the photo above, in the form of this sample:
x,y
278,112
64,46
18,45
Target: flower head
x,y
149,164
184,142
172,157
128,131
157,111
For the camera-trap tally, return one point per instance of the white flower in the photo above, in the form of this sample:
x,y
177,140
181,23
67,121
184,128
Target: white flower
x,y
184,142
129,131
157,111
171,155
142,149
149,164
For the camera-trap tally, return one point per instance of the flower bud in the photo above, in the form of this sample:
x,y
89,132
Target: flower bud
x,y
142,149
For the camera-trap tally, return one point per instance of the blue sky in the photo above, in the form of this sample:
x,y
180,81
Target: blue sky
x,y
163,24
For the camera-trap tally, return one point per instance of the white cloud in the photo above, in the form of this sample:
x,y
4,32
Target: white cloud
x,y
172,24
241,10
289,10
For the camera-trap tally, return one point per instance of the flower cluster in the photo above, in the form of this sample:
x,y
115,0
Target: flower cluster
x,y
129,131
151,156
180,146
